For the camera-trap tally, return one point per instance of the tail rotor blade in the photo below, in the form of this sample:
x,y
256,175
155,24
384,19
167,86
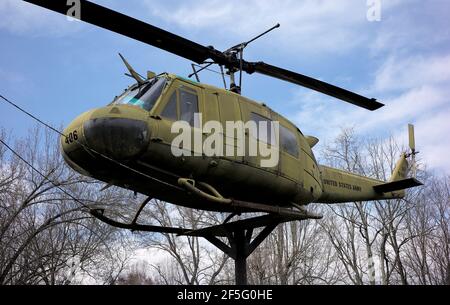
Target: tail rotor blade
x,y
412,146
412,142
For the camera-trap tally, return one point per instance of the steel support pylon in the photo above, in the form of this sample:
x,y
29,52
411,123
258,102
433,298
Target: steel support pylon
x,y
240,246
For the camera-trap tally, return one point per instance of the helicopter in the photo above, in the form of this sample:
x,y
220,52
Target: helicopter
x,y
168,137
129,142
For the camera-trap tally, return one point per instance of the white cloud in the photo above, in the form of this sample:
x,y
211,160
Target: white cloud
x,y
19,17
404,73
432,140
309,26
317,116
411,105
421,95
431,133
415,25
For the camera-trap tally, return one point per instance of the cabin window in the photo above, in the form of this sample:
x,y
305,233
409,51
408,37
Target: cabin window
x,y
264,128
188,106
170,111
288,141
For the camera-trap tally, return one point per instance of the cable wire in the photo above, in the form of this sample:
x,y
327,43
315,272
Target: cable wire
x,y
30,115
57,185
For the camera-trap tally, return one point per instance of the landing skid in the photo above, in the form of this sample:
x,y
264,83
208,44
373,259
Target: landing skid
x,y
239,234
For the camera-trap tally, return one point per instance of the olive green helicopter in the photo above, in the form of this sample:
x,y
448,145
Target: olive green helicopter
x,y
129,143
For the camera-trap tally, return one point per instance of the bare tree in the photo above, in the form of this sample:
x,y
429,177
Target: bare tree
x,y
193,260
428,254
353,229
42,227
46,237
294,254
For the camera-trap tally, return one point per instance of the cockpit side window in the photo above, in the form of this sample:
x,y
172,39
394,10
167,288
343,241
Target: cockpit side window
x,y
170,110
153,94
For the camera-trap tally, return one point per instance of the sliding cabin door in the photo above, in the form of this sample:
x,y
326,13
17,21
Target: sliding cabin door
x,y
229,111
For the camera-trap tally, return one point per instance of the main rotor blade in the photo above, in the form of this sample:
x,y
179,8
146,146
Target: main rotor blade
x,y
149,34
133,28
314,84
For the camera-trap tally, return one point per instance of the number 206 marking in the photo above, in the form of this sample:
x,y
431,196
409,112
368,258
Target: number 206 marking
x,y
71,137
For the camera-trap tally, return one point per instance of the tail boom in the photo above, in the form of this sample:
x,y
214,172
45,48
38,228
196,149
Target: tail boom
x,y
341,186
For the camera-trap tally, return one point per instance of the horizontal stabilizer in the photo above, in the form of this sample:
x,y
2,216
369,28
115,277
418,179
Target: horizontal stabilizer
x,y
397,185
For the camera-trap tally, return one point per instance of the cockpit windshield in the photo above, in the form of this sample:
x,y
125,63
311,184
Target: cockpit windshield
x,y
143,95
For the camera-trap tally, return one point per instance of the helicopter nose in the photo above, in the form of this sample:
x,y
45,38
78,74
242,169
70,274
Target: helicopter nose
x,y
117,138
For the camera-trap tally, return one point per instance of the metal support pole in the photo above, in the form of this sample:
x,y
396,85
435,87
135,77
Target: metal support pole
x,y
232,80
241,245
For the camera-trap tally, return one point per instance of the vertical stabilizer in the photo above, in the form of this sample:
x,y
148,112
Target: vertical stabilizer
x,y
401,169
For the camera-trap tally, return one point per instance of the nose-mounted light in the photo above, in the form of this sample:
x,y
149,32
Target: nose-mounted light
x,y
117,138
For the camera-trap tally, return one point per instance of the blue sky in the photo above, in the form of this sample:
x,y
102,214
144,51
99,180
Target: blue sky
x,y
58,69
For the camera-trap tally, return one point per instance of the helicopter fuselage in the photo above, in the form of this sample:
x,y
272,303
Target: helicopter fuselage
x,y
130,144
